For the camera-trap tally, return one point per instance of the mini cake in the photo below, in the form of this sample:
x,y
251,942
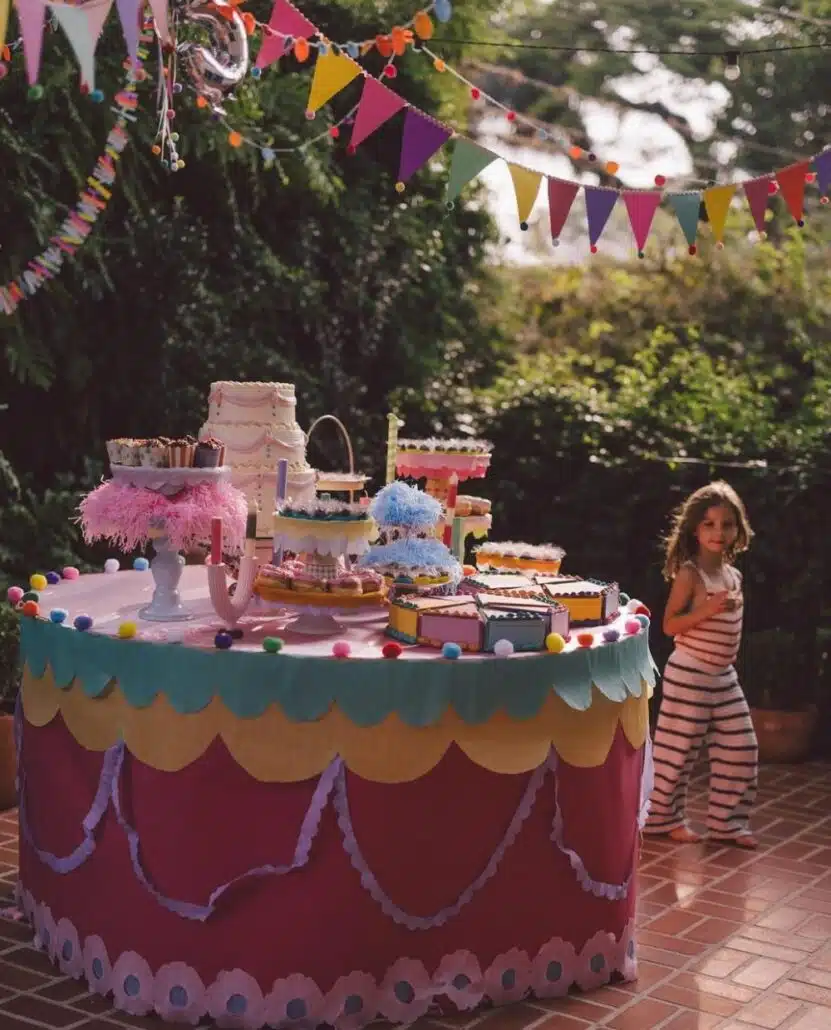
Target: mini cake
x,y
554,615
323,527
467,505
454,620
589,601
209,453
544,558
346,584
510,584
525,628
441,459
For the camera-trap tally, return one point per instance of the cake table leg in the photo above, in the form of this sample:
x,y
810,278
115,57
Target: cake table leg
x,y
166,567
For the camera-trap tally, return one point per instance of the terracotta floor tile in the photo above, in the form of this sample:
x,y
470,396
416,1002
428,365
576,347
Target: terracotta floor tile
x,y
580,1007
805,992
764,950
674,922
679,945
30,1007
643,1015
817,977
792,941
770,1013
818,927
721,963
815,1019
692,1021
762,973
559,1021
784,918
695,1001
712,931
715,987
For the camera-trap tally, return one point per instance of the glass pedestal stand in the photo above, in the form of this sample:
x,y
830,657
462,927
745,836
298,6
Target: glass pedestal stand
x,y
166,567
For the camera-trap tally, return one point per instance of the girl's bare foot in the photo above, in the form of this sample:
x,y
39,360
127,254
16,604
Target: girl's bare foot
x,y
684,835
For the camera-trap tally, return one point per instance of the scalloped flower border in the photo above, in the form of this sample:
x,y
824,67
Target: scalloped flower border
x,y
177,993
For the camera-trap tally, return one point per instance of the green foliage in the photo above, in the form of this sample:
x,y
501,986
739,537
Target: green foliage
x,y
9,654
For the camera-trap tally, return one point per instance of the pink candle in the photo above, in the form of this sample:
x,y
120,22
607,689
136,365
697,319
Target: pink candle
x,y
216,541
450,509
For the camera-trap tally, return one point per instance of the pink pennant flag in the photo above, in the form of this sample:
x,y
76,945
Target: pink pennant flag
x,y
757,192
641,206
160,16
561,196
31,14
288,21
378,104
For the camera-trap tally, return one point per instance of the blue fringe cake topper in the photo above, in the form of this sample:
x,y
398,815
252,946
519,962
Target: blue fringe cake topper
x,y
407,507
413,554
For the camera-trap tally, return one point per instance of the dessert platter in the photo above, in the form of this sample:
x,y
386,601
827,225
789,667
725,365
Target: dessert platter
x,y
337,702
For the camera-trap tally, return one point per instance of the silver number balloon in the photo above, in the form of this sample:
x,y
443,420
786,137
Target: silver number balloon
x,y
215,70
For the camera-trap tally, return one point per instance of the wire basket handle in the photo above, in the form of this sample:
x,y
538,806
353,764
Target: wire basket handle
x,y
342,428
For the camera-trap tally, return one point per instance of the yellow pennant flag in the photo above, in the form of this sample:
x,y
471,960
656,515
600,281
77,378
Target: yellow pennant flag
x,y
717,203
333,72
4,20
526,187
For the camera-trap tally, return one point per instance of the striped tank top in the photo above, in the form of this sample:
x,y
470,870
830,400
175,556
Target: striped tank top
x,y
715,641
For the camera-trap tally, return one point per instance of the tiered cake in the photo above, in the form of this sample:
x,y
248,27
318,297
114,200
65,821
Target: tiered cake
x,y
257,423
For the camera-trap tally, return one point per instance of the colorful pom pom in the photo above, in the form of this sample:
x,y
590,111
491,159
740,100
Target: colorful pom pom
x,y
585,639
30,608
643,620
127,630
141,565
58,615
53,578
643,610
610,635
223,641
623,598
82,623
273,645
70,572
112,565
451,651
555,643
391,650
31,595
341,649
633,604
503,648
633,626
38,581
14,594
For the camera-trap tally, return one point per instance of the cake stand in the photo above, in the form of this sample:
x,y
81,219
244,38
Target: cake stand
x,y
350,482
170,508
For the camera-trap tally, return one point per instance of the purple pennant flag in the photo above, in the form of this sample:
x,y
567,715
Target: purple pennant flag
x,y
822,166
422,138
599,204
128,13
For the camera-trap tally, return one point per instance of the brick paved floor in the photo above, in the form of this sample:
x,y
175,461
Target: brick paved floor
x,y
728,940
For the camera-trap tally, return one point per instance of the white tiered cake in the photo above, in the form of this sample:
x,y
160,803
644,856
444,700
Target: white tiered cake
x,y
257,423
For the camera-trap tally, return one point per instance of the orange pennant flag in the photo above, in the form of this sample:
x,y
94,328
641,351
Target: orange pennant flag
x,y
792,184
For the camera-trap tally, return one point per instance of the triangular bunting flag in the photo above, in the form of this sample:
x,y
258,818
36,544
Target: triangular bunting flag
x,y
160,15
792,184
83,26
32,17
687,207
822,166
561,196
599,205
286,21
641,206
469,159
128,15
422,138
526,188
757,192
333,72
4,20
378,104
717,203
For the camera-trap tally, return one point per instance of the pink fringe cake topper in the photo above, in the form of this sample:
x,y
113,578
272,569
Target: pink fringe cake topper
x,y
129,516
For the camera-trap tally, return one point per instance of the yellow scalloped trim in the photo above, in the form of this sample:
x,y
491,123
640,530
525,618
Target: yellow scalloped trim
x,y
354,529
272,748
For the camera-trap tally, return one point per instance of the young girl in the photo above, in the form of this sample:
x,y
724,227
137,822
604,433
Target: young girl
x,y
702,697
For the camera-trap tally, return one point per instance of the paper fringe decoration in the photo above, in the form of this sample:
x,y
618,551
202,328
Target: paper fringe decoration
x,y
92,201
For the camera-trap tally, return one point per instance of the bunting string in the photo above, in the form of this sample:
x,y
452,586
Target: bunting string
x,y
92,200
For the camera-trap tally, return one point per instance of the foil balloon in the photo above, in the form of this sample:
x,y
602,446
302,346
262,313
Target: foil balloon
x,y
214,70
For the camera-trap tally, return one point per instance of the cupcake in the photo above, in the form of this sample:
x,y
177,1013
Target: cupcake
x,y
114,451
153,454
309,584
209,453
371,582
180,453
131,452
347,585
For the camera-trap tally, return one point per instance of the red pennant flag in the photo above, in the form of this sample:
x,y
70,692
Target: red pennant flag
x,y
757,192
561,196
287,21
378,104
792,184
641,206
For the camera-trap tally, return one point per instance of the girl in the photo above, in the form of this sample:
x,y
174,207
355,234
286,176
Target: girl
x,y
701,692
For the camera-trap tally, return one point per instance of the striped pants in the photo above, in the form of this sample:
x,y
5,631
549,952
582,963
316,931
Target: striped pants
x,y
702,703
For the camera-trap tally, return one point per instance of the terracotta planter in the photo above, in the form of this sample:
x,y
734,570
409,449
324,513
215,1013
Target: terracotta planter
x,y
784,736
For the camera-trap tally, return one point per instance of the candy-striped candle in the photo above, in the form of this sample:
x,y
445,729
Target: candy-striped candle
x,y
393,425
216,541
280,498
450,508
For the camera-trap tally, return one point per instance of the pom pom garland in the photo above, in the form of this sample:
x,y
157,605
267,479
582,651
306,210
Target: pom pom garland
x,y
30,608
141,565
127,630
391,650
341,649
610,635
31,595
272,645
555,643
14,594
643,610
70,572
633,604
38,582
451,651
503,648
223,641
82,623
53,578
643,620
624,599
112,565
58,615
585,639
632,626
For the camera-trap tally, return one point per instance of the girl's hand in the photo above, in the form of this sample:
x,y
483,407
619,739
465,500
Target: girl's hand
x,y
720,602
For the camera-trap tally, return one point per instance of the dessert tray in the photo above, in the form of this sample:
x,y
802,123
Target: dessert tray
x,y
168,481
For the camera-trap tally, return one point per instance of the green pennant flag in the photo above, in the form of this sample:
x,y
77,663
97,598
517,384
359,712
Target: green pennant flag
x,y
686,207
469,159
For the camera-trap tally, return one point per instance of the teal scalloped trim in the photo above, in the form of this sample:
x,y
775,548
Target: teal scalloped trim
x,y
366,690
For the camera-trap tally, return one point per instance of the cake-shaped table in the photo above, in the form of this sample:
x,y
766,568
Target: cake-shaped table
x,y
292,838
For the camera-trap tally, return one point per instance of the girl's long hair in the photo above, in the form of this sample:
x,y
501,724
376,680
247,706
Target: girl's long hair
x,y
681,545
